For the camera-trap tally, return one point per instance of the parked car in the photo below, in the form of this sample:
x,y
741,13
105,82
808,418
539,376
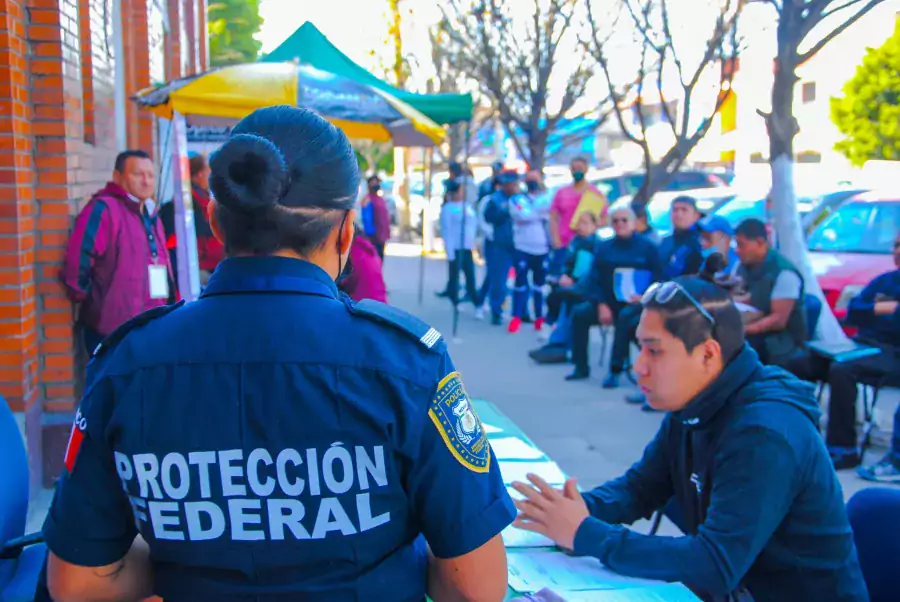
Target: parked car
x,y
812,208
853,245
627,184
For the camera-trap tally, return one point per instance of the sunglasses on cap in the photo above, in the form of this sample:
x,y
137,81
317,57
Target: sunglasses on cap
x,y
664,292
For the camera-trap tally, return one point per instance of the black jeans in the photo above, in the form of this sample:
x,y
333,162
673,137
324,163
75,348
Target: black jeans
x,y
463,259
585,315
842,379
561,297
626,329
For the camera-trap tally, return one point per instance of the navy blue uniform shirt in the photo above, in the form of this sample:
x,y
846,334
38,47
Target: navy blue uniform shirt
x,y
274,440
882,330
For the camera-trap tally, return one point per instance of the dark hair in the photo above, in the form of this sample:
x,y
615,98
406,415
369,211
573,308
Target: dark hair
x,y
455,169
284,180
123,157
685,323
712,265
371,178
581,160
752,229
197,163
640,209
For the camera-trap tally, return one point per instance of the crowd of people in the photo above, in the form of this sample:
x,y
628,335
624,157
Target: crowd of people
x,y
275,359
555,251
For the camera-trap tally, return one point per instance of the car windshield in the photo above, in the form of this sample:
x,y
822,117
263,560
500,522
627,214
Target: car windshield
x,y
858,227
741,208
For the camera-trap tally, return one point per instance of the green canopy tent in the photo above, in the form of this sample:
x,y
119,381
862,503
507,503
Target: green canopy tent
x,y
309,45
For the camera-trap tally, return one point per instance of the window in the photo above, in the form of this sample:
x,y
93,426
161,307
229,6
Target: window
x,y
858,227
809,157
87,70
808,93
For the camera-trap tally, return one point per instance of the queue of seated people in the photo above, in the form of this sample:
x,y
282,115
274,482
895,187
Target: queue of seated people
x,y
599,283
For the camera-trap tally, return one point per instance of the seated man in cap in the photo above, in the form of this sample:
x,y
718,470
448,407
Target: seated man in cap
x,y
715,238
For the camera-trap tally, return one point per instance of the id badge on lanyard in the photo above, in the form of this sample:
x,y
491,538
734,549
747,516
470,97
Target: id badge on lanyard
x,y
157,275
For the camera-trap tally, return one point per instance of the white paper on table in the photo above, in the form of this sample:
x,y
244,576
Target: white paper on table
x,y
513,537
664,592
533,570
513,448
744,308
490,428
517,471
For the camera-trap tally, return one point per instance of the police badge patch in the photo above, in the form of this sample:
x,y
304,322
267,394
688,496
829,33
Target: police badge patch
x,y
458,425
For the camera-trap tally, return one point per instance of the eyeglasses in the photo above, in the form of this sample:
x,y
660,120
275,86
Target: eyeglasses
x,y
663,292
620,220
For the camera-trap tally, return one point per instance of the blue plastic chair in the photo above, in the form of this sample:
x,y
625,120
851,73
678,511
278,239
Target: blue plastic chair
x,y
21,556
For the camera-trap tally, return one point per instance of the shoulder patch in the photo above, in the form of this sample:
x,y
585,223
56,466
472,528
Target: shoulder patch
x,y
136,322
459,426
427,336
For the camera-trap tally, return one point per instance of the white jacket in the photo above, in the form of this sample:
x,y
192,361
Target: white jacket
x,y
530,214
452,227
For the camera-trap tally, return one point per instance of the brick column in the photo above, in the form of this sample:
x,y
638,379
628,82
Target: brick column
x,y
173,40
137,72
18,304
59,131
203,40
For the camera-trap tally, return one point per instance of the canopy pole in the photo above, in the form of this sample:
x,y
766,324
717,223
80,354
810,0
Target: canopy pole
x,y
429,174
185,233
462,234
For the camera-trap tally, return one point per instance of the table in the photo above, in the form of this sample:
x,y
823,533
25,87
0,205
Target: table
x,y
499,426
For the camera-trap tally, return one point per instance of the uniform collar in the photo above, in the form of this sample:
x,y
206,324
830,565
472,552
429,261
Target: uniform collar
x,y
270,275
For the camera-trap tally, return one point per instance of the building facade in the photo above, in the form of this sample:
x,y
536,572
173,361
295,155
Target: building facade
x,y
67,70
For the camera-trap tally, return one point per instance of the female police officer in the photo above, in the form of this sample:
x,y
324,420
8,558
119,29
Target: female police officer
x,y
274,440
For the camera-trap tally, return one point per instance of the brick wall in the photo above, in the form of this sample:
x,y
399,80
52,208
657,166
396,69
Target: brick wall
x,y
58,140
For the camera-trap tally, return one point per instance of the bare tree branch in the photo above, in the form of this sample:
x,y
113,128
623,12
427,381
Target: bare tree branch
x,y
839,29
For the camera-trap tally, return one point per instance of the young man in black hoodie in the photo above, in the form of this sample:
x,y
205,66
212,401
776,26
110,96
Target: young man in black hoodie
x,y
738,460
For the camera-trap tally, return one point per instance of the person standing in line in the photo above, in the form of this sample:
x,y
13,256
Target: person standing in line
x,y
210,251
375,214
497,213
459,239
529,212
116,264
562,210
363,278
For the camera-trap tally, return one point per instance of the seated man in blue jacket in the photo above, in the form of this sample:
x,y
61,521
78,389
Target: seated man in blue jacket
x,y
738,458
623,268
875,312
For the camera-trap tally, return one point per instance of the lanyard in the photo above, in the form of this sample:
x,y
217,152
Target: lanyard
x,y
148,229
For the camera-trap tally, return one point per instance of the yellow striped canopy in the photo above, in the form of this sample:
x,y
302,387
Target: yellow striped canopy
x,y
232,93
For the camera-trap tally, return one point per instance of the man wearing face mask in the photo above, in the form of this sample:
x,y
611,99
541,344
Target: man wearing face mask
x,y
375,215
562,210
529,212
500,259
715,237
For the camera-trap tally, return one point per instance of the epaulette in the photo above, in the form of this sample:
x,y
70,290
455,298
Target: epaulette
x,y
136,322
399,319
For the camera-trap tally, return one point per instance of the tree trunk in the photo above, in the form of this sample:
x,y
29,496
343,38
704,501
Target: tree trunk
x,y
537,150
782,127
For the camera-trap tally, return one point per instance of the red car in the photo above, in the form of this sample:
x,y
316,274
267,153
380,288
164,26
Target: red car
x,y
853,245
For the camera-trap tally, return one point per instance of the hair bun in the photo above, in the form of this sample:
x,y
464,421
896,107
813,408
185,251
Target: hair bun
x,y
248,173
713,264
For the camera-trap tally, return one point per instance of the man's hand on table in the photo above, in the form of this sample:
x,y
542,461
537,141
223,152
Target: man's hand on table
x,y
554,513
885,308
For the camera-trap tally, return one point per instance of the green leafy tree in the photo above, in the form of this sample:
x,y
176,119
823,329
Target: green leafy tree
x,y
232,25
869,112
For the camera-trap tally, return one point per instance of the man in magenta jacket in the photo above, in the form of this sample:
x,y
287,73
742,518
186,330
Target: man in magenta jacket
x,y
116,263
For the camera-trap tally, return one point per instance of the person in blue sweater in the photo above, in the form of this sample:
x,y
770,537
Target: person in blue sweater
x,y
500,257
875,313
681,252
624,266
738,460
